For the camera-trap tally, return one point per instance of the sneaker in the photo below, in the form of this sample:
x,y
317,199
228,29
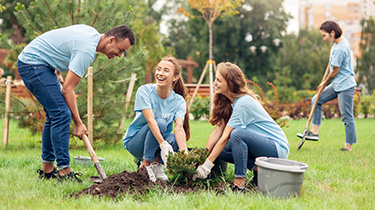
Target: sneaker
x,y
72,176
157,168
309,136
151,174
52,175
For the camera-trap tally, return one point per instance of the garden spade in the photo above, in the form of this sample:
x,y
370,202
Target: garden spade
x,y
312,110
95,160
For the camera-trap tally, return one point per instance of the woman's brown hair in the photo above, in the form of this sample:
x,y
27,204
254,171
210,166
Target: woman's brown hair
x,y
237,85
330,26
179,87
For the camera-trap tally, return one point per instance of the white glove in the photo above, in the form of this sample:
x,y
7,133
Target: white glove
x,y
165,148
203,170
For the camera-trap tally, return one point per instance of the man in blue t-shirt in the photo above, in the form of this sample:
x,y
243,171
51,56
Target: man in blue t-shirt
x,y
40,64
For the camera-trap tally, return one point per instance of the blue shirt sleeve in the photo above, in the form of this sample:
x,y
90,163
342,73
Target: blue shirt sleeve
x,y
337,57
181,110
80,61
142,99
241,116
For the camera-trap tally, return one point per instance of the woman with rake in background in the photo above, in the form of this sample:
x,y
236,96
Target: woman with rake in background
x,y
244,130
342,87
149,137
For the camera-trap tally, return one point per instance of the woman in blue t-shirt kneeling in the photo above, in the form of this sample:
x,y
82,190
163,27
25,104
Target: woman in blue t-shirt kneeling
x,y
149,137
244,130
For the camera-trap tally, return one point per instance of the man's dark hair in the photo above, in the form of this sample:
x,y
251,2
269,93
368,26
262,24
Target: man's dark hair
x,y
330,26
121,32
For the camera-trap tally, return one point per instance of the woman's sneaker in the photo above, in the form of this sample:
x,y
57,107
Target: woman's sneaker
x,y
52,175
151,174
72,176
157,168
309,136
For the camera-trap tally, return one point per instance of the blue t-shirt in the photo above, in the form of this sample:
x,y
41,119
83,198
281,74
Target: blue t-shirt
x,y
249,114
340,57
70,48
168,109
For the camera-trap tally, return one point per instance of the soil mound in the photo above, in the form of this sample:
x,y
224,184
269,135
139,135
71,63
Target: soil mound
x,y
135,183
138,183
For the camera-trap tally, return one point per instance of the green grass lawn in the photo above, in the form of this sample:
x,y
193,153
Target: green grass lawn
x,y
334,180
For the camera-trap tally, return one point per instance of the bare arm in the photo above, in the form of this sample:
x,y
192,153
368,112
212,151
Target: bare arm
x,y
149,115
180,134
330,76
71,81
220,144
215,136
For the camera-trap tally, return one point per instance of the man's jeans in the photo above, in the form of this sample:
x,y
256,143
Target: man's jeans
x,y
42,82
244,147
345,101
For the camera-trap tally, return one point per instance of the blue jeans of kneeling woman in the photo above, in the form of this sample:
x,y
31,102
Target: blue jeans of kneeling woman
x,y
244,147
42,82
145,146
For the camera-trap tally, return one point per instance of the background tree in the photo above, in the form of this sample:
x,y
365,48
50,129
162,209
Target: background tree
x,y
109,76
258,23
366,63
210,11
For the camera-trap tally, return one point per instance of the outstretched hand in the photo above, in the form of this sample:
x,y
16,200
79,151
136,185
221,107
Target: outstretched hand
x,y
203,170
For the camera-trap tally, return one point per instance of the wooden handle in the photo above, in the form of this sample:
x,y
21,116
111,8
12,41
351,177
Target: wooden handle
x,y
93,156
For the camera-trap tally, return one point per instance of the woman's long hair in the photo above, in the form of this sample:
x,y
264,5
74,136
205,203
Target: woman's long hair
x,y
237,85
179,87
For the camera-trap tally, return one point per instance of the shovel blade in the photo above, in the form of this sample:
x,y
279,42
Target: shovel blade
x,y
96,179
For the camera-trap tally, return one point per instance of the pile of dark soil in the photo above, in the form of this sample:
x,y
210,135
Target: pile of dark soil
x,y
138,183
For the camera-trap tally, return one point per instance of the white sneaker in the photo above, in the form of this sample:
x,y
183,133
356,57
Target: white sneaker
x,y
151,174
158,171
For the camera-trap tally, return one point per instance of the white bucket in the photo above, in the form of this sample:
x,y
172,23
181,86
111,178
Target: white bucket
x,y
280,178
83,160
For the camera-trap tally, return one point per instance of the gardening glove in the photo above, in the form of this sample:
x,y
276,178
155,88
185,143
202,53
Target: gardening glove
x,y
203,170
165,148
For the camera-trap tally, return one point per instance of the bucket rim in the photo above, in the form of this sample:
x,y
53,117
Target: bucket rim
x,y
263,162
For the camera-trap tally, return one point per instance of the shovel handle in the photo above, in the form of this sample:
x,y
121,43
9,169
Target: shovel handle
x,y
93,156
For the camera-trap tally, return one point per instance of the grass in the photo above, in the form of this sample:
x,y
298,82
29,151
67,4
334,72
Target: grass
x,y
334,180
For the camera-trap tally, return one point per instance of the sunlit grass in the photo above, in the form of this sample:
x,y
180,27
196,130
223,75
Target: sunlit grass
x,y
334,180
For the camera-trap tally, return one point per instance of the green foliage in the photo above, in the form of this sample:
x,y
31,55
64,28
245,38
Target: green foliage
x,y
273,107
200,107
184,164
367,105
366,63
229,35
109,77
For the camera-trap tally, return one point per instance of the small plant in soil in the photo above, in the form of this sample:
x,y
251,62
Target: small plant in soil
x,y
184,164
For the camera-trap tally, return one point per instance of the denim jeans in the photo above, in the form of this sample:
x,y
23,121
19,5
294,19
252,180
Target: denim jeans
x,y
243,147
42,82
145,146
345,101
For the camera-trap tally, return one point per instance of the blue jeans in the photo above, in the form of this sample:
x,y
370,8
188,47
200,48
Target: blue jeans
x,y
145,146
42,82
345,101
244,147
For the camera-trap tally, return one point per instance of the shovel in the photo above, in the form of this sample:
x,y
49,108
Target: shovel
x,y
95,160
309,120
312,111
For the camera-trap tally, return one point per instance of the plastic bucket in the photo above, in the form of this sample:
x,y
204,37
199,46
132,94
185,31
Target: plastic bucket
x,y
83,160
280,178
